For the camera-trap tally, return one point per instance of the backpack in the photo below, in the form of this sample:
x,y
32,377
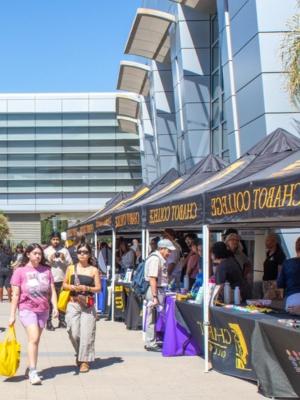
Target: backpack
x,y
139,285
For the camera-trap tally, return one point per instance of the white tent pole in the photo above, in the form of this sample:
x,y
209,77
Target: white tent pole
x,y
96,257
143,244
95,244
205,233
113,274
147,243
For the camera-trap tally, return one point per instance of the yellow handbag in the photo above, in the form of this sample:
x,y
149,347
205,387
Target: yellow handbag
x,y
9,353
64,295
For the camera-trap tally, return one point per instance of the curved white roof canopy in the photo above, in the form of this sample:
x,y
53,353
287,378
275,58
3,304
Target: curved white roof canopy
x,y
202,5
149,36
126,124
133,77
127,105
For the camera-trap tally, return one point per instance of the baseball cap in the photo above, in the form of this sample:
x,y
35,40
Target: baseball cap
x,y
166,244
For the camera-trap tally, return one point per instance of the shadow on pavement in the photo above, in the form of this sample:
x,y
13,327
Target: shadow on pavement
x,y
105,362
50,373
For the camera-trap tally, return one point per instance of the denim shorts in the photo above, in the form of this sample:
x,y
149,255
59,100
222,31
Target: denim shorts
x,y
28,317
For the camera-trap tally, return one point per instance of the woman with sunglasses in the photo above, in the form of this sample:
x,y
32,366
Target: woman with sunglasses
x,y
83,281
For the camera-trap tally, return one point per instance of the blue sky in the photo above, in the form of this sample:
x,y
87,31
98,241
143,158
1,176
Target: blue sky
x,y
63,45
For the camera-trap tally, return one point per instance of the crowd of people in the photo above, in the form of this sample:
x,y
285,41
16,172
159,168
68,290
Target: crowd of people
x,y
35,276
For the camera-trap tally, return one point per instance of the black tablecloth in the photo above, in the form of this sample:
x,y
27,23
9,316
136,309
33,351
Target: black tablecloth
x,y
250,346
128,307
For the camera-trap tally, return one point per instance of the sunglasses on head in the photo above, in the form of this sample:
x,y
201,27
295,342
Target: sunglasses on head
x,y
83,252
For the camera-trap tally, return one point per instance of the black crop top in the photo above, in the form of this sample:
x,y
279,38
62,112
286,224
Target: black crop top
x,y
84,280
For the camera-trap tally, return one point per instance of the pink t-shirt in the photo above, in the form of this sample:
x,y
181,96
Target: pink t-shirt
x,y
35,289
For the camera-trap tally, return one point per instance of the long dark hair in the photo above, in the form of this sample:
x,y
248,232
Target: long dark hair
x,y
89,249
29,249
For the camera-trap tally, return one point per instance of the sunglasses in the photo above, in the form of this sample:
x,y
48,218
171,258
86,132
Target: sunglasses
x,y
83,252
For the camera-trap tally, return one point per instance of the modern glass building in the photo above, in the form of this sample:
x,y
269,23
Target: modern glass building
x,y
216,80
62,154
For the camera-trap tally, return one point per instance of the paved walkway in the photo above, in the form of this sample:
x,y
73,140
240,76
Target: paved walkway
x,y
123,370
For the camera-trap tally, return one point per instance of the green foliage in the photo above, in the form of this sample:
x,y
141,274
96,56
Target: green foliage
x,y
4,228
290,54
47,228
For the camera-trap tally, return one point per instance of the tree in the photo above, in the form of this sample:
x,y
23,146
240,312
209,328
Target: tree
x,y
290,54
4,228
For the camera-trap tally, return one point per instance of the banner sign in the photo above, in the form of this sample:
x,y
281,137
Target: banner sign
x,y
127,220
86,229
176,214
229,339
276,351
104,222
254,201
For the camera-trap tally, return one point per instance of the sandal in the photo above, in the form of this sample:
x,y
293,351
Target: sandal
x,y
84,367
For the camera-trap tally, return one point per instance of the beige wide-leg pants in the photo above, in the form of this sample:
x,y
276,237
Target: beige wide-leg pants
x,y
81,327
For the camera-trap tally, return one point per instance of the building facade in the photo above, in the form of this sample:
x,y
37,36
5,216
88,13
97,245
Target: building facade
x,y
216,78
63,156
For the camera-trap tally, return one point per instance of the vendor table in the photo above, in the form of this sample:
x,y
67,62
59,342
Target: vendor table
x,y
249,346
177,340
128,307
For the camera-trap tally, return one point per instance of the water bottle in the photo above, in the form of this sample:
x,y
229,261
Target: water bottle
x,y
227,293
237,296
199,297
186,282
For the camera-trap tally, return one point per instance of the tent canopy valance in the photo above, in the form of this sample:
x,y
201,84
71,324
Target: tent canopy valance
x,y
130,217
193,206
202,170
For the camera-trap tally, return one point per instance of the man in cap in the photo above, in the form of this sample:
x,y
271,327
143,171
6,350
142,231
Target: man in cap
x,y
156,273
58,258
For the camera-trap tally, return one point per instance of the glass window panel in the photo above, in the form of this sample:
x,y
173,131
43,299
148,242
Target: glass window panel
x,y
48,133
215,57
3,133
48,119
215,28
226,156
3,120
224,136
21,147
21,173
75,119
21,120
216,141
21,186
216,84
215,112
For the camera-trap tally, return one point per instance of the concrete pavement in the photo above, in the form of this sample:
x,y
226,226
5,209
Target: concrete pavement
x,y
123,370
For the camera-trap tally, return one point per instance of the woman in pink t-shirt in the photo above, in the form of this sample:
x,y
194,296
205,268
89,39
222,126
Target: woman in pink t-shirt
x,y
32,287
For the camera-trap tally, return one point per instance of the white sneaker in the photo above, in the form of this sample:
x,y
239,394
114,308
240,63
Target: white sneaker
x,y
34,378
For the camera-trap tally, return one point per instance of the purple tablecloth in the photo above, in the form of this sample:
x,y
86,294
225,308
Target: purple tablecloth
x,y
176,340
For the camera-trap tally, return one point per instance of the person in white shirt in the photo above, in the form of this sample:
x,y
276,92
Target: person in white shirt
x,y
156,274
58,258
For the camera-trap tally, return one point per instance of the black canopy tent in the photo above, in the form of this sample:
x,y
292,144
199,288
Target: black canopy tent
x,y
129,216
266,193
201,171
271,196
185,206
87,226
